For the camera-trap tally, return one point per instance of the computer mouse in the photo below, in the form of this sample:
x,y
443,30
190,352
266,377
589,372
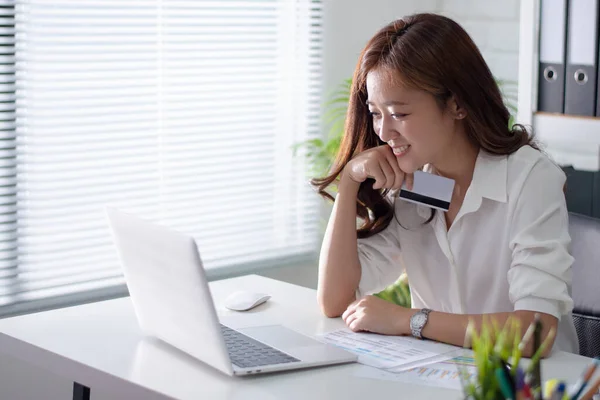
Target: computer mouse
x,y
245,300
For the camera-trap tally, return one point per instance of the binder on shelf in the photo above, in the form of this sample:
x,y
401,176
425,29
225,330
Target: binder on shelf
x,y
582,49
596,196
598,90
551,77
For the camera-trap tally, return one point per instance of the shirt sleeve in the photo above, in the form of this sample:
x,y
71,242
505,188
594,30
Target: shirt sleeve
x,y
379,257
540,274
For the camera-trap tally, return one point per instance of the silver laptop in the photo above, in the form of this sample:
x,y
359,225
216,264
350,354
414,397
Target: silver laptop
x,y
172,301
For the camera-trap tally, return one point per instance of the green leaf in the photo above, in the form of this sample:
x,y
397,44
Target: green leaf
x,y
340,98
336,130
333,146
510,97
335,112
315,142
511,121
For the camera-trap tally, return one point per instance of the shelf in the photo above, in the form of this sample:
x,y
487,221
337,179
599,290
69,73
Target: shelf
x,y
567,129
589,119
569,140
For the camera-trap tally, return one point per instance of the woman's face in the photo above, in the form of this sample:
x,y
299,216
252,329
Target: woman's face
x,y
410,121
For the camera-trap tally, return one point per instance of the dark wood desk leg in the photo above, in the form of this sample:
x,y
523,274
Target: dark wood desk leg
x,y
80,392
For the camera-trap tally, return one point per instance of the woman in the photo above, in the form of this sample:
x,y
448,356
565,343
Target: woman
x,y
423,98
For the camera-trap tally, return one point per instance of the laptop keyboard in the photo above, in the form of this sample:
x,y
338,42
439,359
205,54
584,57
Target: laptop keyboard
x,y
246,352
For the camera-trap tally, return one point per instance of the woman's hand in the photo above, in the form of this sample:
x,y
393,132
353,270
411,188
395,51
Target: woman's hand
x,y
381,164
375,315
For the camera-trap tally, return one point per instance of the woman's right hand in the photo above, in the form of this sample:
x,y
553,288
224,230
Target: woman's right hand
x,y
380,164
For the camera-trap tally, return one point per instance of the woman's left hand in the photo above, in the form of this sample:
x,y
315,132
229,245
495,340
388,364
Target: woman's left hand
x,y
375,315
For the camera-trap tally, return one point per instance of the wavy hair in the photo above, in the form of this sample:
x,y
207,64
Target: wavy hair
x,y
432,53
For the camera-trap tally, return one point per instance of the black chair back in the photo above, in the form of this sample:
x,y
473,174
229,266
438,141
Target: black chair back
x,y
585,248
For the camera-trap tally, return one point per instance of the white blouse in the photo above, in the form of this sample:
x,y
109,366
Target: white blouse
x,y
506,250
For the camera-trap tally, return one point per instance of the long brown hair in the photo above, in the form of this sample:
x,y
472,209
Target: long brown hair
x,y
432,53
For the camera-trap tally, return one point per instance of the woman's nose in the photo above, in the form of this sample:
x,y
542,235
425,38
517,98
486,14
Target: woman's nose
x,y
386,130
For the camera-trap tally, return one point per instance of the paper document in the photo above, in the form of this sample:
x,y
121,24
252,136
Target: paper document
x,y
383,351
425,361
446,374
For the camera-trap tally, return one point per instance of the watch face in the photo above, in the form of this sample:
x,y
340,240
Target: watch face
x,y
419,319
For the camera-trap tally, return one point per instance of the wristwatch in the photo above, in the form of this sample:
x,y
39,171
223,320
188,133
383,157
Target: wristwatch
x,y
418,321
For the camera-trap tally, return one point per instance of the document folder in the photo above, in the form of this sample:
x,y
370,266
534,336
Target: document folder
x,y
596,196
551,77
582,48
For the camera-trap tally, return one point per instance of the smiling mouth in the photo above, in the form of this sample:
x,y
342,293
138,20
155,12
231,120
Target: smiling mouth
x,y
401,150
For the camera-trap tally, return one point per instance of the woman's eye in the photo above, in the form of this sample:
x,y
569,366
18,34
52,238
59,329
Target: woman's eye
x,y
399,115
374,114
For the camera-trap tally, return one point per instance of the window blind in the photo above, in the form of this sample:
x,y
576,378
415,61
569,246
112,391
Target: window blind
x,y
182,112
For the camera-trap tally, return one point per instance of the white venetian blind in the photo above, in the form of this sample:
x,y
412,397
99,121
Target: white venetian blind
x,y
183,112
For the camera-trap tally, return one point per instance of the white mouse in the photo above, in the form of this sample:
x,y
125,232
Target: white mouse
x,y
244,300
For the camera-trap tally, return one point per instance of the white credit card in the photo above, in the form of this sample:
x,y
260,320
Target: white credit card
x,y
430,190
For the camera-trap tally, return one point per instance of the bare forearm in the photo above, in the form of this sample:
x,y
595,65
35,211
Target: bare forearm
x,y
451,328
339,268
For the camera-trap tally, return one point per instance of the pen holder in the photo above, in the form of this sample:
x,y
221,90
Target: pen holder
x,y
497,354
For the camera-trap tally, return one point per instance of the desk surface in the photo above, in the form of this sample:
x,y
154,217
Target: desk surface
x,y
101,345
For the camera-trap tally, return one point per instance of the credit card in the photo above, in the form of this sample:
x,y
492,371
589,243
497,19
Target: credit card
x,y
430,190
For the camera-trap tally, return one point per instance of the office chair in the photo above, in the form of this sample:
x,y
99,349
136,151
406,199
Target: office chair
x,y
585,248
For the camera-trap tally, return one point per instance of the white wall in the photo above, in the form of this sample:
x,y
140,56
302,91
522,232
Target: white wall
x,y
348,26
494,26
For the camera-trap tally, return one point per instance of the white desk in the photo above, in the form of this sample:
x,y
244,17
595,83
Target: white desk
x,y
99,345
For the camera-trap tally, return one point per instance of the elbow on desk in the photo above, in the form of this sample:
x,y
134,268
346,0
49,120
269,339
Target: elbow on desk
x,y
329,308
331,313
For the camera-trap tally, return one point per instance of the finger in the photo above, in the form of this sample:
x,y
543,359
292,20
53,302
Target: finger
x,y
350,318
352,306
349,311
410,181
376,173
398,173
355,325
388,172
